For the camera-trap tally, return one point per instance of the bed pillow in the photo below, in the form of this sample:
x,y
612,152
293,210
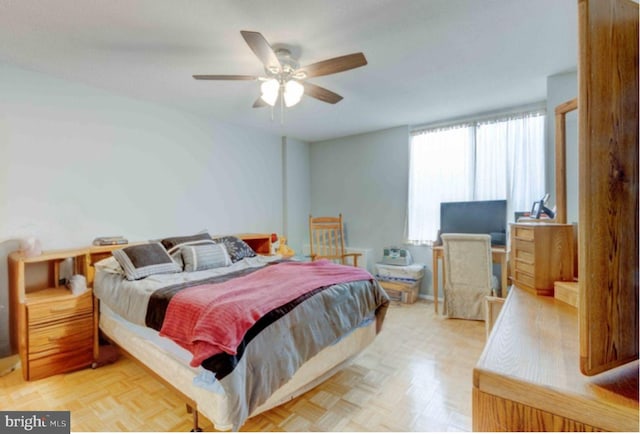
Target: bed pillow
x,y
144,260
110,265
197,258
173,244
236,248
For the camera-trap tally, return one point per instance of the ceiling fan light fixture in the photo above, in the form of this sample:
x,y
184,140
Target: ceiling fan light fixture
x,y
293,91
284,79
269,90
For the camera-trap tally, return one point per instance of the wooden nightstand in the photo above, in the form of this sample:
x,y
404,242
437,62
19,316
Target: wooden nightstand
x,y
54,330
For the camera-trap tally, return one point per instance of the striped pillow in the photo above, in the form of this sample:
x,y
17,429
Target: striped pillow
x,y
174,244
204,257
144,260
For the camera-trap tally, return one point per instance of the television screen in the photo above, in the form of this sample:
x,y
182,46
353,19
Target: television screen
x,y
475,217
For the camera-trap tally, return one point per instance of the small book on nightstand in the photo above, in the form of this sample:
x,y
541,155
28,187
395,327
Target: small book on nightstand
x,y
109,241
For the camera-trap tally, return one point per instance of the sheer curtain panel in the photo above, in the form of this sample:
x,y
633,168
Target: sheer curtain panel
x,y
510,161
440,166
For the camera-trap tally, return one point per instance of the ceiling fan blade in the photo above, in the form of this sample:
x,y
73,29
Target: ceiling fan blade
x,y
337,64
225,77
259,103
262,49
321,93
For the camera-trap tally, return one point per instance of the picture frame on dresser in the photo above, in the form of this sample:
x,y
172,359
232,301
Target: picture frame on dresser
x,y
536,210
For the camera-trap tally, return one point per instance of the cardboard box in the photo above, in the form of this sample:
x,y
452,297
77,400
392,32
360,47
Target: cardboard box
x,y
404,292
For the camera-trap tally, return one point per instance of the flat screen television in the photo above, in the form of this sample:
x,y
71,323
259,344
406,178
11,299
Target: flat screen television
x,y
475,217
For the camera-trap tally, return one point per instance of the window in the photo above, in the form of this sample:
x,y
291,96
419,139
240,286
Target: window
x,y
498,159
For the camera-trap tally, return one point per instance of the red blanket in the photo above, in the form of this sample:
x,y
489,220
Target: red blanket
x,y
213,318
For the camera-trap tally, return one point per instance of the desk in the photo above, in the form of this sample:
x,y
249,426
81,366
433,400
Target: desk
x,y
498,256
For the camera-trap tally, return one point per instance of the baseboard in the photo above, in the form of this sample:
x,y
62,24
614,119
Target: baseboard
x,y
427,297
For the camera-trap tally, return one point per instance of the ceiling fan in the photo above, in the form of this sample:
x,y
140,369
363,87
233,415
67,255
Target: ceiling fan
x,y
284,79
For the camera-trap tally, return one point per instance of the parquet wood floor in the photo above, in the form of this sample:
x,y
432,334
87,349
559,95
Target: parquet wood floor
x,y
416,376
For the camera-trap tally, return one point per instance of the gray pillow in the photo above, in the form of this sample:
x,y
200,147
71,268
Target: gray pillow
x,y
204,257
144,260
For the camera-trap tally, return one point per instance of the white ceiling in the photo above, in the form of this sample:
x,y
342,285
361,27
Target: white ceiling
x,y
429,60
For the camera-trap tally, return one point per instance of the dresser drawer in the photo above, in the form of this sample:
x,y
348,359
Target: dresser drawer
x,y
55,310
61,337
523,250
525,267
523,232
525,245
524,279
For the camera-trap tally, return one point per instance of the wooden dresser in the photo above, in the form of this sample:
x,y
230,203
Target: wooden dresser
x,y
541,253
528,376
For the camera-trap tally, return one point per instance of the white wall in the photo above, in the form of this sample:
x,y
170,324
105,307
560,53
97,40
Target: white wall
x,y
78,162
365,177
297,188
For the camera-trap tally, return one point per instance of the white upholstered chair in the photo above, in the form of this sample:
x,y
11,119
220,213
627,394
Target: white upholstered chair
x,y
468,265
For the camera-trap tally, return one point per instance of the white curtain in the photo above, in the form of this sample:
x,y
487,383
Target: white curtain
x,y
500,159
440,168
510,161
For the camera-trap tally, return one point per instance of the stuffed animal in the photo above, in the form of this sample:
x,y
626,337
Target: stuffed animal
x,y
283,249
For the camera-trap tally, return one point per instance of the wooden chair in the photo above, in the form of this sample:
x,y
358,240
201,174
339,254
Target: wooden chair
x,y
467,260
326,238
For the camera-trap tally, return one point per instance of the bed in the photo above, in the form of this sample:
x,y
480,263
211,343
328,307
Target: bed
x,y
240,337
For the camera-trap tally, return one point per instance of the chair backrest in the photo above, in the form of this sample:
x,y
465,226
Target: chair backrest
x,y
467,260
326,238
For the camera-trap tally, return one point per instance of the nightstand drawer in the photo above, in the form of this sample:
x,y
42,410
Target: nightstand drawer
x,y
54,310
60,337
60,362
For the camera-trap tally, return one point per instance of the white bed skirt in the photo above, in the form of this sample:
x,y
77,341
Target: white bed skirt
x,y
171,363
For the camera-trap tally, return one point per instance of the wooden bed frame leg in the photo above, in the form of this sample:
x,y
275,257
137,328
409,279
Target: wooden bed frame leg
x,y
195,428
